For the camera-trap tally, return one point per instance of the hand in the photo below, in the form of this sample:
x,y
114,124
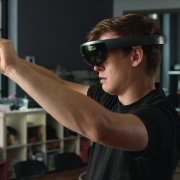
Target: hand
x,y
8,56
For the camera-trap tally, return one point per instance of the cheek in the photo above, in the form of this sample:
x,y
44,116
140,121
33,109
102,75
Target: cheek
x,y
119,73
118,68
116,74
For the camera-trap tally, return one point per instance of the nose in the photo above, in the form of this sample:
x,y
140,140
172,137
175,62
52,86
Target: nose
x,y
99,68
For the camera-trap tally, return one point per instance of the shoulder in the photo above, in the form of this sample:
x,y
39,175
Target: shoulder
x,y
98,94
94,89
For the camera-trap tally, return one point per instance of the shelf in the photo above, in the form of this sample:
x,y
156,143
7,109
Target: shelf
x,y
53,150
53,140
34,126
69,138
22,112
15,146
174,72
33,122
37,143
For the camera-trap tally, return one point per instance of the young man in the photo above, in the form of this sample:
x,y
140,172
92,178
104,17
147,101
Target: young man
x,y
134,128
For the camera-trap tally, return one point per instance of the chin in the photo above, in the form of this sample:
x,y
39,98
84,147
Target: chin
x,y
109,90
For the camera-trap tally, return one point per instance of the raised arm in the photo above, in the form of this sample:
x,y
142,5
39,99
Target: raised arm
x,y
74,86
72,109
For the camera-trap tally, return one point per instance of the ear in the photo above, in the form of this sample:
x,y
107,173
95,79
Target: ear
x,y
137,56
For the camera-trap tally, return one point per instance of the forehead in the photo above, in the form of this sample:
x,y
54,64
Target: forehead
x,y
108,35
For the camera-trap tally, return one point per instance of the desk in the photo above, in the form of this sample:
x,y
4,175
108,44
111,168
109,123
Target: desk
x,y
63,175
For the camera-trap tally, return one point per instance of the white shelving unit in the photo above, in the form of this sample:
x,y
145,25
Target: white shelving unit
x,y
34,121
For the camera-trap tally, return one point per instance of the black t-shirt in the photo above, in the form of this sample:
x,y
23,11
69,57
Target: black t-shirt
x,y
159,160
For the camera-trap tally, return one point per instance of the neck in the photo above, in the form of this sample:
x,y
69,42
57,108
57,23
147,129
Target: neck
x,y
136,90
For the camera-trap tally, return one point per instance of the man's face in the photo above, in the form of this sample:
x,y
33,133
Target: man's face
x,y
115,73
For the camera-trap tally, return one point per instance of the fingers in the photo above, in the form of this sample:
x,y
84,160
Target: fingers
x,y
8,56
6,42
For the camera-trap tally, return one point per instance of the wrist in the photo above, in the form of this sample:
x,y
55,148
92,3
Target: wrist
x,y
16,70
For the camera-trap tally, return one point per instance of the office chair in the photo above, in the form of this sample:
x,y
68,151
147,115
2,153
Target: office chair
x,y
66,161
82,175
27,169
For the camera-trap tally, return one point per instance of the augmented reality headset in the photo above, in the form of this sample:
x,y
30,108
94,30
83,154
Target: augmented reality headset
x,y
95,52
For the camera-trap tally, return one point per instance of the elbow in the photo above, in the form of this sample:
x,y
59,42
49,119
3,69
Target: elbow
x,y
98,132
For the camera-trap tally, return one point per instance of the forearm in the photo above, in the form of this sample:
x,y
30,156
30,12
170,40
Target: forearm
x,y
46,72
72,109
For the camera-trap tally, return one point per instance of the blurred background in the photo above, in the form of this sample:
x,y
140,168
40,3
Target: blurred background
x,y
49,33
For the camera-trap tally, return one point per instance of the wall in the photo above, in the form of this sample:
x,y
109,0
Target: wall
x,y
52,30
36,19
136,5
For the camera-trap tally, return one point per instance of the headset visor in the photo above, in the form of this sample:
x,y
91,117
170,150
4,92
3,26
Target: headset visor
x,y
94,54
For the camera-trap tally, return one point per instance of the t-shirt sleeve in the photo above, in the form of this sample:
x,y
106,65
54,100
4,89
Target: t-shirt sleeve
x,y
90,91
160,132
95,92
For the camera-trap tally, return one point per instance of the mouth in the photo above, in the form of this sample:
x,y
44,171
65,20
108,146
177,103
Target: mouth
x,y
102,79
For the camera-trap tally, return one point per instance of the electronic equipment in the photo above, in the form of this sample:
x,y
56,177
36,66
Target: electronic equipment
x,y
95,52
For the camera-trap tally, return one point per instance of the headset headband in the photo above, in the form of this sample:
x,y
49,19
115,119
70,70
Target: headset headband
x,y
129,41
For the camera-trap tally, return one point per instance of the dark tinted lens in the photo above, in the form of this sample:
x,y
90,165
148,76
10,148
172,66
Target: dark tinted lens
x,y
94,54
